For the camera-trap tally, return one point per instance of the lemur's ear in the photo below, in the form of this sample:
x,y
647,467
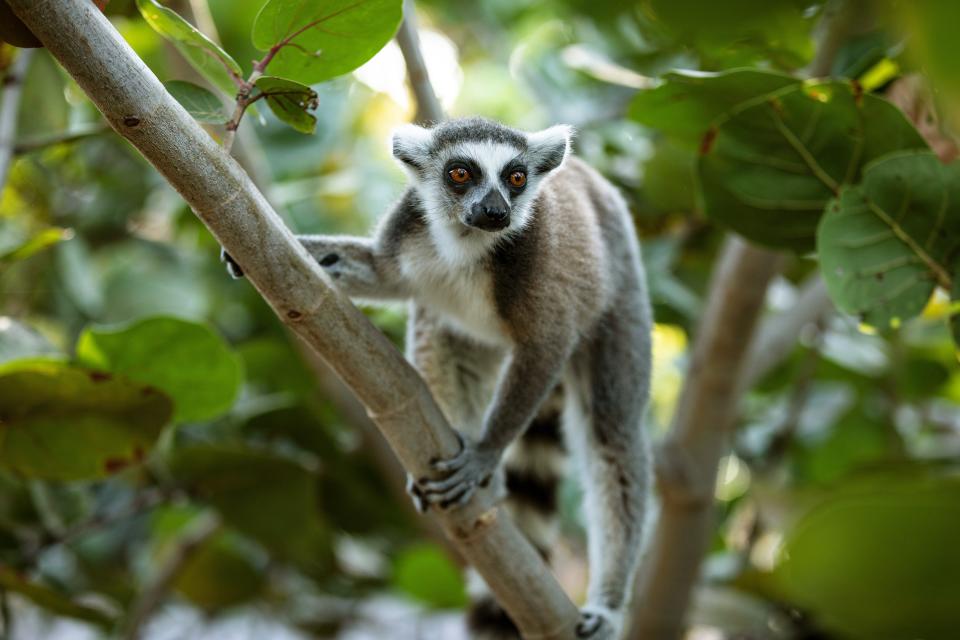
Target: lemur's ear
x,y
548,149
411,145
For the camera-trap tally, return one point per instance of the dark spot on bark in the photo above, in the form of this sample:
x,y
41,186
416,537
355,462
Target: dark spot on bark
x,y
293,314
148,391
100,376
131,121
138,453
329,259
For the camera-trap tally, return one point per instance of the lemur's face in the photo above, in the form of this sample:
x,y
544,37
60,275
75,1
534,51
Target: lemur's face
x,y
478,175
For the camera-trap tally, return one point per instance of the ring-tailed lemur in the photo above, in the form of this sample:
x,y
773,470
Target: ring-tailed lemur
x,y
528,295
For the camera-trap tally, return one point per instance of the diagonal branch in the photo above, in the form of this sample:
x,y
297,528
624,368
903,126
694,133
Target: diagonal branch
x,y
136,105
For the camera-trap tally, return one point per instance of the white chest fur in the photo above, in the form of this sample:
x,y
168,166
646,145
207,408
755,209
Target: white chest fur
x,y
460,292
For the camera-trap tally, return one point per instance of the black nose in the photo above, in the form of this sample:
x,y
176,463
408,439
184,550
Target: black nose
x,y
491,213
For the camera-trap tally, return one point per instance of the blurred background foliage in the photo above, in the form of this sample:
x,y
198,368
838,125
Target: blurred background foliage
x,y
147,398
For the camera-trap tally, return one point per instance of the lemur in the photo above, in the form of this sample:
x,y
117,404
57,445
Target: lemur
x,y
529,302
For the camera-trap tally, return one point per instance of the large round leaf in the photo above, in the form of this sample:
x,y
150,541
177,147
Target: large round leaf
x,y
321,40
885,244
59,422
687,103
878,558
186,360
773,163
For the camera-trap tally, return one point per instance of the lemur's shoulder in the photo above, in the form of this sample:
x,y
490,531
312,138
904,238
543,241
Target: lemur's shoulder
x,y
406,220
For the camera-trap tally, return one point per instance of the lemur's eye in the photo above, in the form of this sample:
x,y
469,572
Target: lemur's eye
x,y
459,175
518,179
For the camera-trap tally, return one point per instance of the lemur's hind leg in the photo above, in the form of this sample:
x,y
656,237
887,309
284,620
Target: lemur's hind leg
x,y
609,386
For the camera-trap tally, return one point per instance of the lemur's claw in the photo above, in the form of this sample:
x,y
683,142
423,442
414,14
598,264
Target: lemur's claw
x,y
459,476
419,502
597,624
232,267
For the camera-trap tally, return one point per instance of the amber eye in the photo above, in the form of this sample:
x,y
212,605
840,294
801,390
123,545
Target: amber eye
x,y
459,175
518,178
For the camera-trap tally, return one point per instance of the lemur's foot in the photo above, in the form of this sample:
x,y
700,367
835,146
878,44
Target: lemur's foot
x,y
419,501
599,623
232,267
460,476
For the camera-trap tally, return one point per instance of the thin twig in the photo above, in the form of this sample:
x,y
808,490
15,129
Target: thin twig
x,y
36,144
9,108
203,529
428,106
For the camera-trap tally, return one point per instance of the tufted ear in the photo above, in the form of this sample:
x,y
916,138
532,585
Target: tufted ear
x,y
411,145
547,149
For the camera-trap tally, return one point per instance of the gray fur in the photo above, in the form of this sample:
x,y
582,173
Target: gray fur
x,y
500,318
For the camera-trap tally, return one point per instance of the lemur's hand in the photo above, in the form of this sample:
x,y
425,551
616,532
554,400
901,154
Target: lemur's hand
x,y
461,476
232,267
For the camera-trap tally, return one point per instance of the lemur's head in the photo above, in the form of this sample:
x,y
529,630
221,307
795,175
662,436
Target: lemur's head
x,y
479,173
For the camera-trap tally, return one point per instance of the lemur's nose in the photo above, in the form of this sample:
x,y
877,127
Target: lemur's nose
x,y
491,213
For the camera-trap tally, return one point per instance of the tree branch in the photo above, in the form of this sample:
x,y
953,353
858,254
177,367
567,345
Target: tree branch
x,y
154,594
9,108
223,197
428,106
705,417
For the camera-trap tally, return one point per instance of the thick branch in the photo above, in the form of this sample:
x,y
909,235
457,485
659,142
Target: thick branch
x,y
688,460
9,108
718,376
428,106
223,197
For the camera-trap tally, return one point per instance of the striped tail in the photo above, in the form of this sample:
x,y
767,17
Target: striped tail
x,y
533,469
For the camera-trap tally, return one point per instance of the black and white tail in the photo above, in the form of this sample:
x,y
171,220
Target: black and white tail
x,y
533,468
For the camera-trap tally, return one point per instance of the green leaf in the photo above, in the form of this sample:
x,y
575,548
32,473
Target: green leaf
x,y
885,244
269,497
199,103
777,30
687,103
35,243
426,573
321,40
204,54
772,164
52,600
838,562
186,360
65,423
290,101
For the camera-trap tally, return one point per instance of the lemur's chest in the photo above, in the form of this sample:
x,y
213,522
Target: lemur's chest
x,y
463,295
